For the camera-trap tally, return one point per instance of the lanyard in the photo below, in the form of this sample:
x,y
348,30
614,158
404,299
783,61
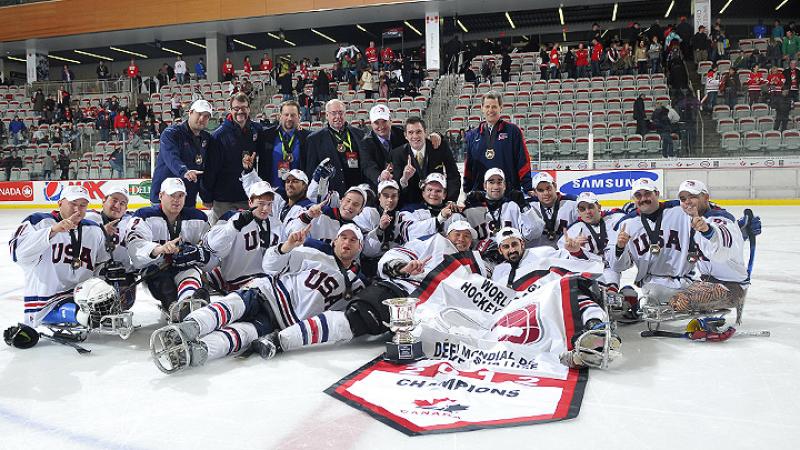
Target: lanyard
x,y
550,222
602,238
494,209
75,240
348,283
341,144
653,233
513,273
492,135
287,154
264,235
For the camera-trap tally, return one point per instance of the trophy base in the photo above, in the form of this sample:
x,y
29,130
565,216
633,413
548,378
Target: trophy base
x,y
403,353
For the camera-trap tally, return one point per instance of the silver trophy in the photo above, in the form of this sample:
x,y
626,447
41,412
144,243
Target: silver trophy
x,y
403,347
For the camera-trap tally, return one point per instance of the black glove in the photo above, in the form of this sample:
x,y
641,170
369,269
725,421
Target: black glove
x,y
519,198
190,255
475,198
245,217
21,336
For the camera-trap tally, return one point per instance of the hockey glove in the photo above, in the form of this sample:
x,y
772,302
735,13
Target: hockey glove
x,y
475,198
519,198
754,225
190,255
324,170
245,217
707,329
489,251
21,336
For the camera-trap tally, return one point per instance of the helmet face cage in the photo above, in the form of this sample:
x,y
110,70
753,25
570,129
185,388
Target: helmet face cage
x,y
596,348
98,299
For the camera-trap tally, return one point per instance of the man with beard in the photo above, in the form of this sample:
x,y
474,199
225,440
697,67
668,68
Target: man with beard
x,y
236,136
284,147
433,215
304,278
557,210
402,270
325,220
525,266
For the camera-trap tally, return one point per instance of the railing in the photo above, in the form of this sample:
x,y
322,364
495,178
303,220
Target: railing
x,y
86,87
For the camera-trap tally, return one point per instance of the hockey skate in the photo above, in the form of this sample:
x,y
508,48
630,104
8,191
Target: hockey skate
x,y
594,348
267,346
175,347
179,309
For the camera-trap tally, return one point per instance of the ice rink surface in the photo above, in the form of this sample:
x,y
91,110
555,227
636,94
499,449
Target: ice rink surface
x,y
663,394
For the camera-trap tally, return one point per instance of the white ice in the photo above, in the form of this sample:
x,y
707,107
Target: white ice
x,y
663,394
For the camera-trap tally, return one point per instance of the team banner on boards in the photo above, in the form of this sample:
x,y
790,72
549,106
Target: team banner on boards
x,y
41,192
433,396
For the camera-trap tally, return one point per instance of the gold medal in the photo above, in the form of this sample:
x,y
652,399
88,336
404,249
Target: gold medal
x,y
489,153
289,158
551,235
693,257
198,159
76,263
340,148
655,249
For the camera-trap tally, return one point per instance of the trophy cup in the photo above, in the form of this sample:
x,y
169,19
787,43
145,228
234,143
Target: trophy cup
x,y
403,347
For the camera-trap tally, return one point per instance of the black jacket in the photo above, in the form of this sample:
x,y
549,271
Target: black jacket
x,y
321,145
223,165
269,134
439,160
374,156
638,109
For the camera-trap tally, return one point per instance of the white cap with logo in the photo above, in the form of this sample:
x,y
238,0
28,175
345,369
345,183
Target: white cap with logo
x,y
118,190
693,187
492,172
378,112
353,228
173,185
201,106
436,177
75,192
462,225
387,183
645,184
505,233
359,190
298,174
588,197
542,177
260,188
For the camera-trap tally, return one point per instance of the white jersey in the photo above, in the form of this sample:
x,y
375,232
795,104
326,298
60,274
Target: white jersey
x,y
51,267
149,229
556,219
445,258
323,228
420,220
241,253
721,249
489,219
280,207
541,265
120,253
305,282
374,240
602,239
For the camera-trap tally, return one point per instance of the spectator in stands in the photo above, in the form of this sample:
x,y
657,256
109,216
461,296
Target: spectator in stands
x,y
181,71
183,151
175,105
228,71
639,115
487,67
754,83
285,147
322,90
760,30
48,164
677,77
103,124
730,86
777,30
597,56
568,63
496,143
63,164
654,54
102,70
246,87
2,131
640,54
132,73
774,53
672,39
581,61
162,77
285,81
38,102
13,162
306,102
367,83
792,79
200,69
266,66
246,66
122,126
775,82
712,89
783,105
67,75
341,143
701,44
791,45
17,130
505,66
554,62
371,54
115,161
663,126
387,57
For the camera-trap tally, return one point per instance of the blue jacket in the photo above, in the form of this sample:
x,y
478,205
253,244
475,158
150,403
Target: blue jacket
x,y
200,70
178,154
224,160
16,126
510,155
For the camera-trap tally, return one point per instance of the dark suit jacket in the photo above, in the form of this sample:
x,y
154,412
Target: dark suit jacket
x,y
321,145
374,157
265,162
439,160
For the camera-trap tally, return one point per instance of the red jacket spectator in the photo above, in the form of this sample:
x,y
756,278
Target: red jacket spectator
x,y
581,57
266,64
754,81
775,80
597,52
554,57
132,71
387,55
227,68
371,53
246,66
121,122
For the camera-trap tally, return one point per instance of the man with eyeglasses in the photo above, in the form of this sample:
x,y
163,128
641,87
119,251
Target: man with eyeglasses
x,y
340,144
236,136
285,147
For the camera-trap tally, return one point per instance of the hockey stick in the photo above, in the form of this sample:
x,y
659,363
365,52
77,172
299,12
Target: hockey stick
x,y
142,278
752,238
675,334
59,340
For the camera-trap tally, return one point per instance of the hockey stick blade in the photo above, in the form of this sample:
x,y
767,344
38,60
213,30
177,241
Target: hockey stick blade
x,y
78,348
673,334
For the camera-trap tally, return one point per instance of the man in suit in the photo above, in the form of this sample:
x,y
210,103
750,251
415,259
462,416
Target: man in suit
x,y
341,144
418,158
285,147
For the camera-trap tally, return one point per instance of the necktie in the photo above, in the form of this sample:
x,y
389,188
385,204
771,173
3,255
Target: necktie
x,y
420,158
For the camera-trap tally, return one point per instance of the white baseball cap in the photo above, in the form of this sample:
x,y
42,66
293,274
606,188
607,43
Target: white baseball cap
x,y
505,233
173,185
353,228
492,172
379,111
462,225
359,190
436,177
588,197
201,106
260,188
118,190
75,192
693,187
387,183
542,177
298,174
643,184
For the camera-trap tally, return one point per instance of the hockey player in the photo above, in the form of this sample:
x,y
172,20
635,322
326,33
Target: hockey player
x,y
325,220
164,239
557,210
496,207
57,251
302,282
295,184
433,216
716,244
240,238
421,262
386,235
114,218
